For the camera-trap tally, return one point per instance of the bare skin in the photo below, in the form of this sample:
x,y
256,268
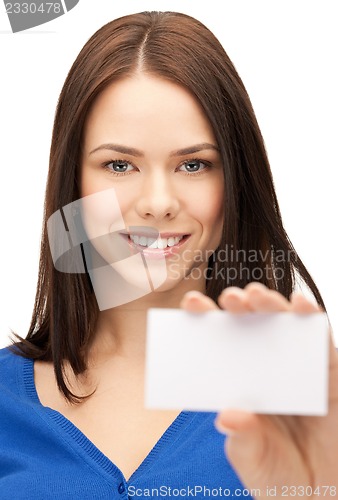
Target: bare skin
x,y
114,418
175,184
264,450
277,450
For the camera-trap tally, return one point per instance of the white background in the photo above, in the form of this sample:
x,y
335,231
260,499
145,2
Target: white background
x,y
285,52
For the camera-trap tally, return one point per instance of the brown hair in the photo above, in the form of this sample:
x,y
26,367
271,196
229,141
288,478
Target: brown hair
x,y
181,49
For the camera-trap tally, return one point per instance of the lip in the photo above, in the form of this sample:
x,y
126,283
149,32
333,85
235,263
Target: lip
x,y
153,231
157,253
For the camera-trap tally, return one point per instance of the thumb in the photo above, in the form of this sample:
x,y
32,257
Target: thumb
x,y
246,444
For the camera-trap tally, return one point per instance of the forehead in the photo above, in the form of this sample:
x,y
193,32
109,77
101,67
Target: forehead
x,y
145,108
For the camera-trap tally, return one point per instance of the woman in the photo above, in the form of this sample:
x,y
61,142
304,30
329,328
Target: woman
x,y
154,114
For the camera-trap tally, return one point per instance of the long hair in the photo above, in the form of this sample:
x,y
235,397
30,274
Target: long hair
x,y
181,49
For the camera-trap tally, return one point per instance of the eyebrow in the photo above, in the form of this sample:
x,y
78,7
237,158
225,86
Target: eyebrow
x,y
137,153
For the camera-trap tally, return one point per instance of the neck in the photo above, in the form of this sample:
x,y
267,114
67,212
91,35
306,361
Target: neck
x,y
121,331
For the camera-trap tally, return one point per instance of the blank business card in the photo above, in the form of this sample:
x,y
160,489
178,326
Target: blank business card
x,y
274,363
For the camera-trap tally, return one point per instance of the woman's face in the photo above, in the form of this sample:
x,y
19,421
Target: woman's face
x,y
148,141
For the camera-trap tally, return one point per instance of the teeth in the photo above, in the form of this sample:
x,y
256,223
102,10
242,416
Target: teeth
x,y
152,243
160,243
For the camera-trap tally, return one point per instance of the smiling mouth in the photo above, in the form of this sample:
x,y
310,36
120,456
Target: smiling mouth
x,y
144,243
159,243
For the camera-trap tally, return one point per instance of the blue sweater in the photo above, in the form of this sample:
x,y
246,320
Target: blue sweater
x,y
43,456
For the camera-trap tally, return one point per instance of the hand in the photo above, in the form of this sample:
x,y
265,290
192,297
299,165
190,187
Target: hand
x,y
273,450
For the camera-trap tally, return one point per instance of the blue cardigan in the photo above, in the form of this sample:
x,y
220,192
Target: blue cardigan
x,y
43,456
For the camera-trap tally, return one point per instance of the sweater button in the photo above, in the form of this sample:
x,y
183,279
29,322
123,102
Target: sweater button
x,y
121,488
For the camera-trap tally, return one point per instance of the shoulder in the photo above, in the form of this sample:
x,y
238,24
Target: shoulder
x,y
10,364
9,355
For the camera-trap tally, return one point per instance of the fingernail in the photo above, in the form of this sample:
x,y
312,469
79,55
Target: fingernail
x,y
221,428
193,296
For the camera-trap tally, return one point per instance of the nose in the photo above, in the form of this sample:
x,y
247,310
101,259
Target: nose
x,y
158,198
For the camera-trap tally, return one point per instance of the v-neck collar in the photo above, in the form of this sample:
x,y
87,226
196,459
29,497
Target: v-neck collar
x,y
82,442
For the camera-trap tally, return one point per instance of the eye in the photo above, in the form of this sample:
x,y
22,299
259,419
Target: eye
x,y
192,166
119,166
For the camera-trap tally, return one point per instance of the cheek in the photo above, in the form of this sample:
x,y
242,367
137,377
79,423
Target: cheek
x,y
216,210
92,184
208,208
101,214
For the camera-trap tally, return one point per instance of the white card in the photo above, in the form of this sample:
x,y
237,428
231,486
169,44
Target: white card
x,y
262,362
